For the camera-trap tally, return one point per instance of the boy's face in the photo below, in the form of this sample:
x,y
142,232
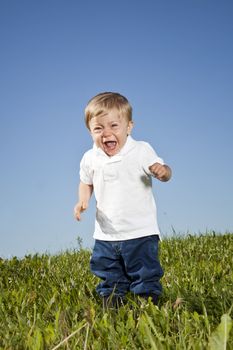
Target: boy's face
x,y
110,131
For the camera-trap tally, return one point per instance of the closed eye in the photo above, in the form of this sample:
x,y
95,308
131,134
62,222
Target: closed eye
x,y
97,129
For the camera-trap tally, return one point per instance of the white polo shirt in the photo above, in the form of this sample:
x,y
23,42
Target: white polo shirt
x,y
122,184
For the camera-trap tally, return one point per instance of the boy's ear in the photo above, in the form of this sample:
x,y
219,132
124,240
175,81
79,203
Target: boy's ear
x,y
130,127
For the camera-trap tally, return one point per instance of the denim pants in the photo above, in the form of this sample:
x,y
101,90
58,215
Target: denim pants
x,y
127,266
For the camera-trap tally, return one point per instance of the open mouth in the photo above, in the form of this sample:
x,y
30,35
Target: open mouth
x,y
110,145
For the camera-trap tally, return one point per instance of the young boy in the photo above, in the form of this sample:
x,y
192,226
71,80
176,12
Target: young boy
x,y
119,170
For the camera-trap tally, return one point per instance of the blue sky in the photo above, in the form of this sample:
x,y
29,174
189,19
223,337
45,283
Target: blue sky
x,y
173,60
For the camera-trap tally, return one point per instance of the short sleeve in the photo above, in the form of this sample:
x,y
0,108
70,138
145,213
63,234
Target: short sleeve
x,y
148,156
86,171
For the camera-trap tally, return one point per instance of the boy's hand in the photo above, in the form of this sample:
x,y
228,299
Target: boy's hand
x,y
161,172
78,209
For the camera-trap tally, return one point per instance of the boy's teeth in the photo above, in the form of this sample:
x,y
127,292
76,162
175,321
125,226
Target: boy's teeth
x,y
110,144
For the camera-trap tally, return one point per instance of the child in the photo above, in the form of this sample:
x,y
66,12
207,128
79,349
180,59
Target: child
x,y
119,170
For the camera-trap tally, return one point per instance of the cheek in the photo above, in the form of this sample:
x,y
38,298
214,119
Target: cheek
x,y
96,139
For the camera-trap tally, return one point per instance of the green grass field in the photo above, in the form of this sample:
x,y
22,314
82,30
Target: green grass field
x,y
49,302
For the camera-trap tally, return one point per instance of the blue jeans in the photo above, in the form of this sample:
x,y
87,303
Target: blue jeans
x,y
127,266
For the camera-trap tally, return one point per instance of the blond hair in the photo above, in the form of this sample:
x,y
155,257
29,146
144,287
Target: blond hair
x,y
102,103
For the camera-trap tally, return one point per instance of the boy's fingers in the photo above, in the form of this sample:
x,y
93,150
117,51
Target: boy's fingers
x,y
79,209
77,214
84,206
157,170
153,170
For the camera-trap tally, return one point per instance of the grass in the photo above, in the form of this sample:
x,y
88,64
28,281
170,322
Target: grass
x,y
49,302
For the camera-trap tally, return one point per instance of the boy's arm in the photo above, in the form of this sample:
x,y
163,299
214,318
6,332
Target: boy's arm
x,y
85,192
161,172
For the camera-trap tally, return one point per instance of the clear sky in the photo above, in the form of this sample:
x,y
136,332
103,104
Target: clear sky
x,y
173,60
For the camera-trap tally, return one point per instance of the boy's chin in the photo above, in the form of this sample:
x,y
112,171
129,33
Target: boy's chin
x,y
111,153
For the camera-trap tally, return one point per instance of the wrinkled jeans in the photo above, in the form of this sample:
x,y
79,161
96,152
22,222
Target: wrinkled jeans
x,y
127,266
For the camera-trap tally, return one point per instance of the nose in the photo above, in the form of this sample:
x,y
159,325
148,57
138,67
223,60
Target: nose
x,y
106,132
